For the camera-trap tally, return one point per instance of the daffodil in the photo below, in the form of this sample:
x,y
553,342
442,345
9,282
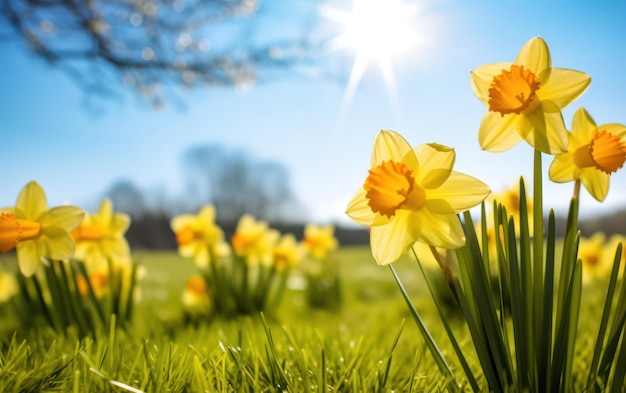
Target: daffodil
x,y
594,153
509,199
198,236
413,195
196,295
596,262
319,240
525,99
99,281
254,241
36,231
8,286
287,252
101,237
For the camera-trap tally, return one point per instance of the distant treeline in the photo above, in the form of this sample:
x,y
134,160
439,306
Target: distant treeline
x,y
152,230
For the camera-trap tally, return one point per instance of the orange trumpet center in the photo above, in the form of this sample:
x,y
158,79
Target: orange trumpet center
x,y
242,244
197,286
86,232
607,151
391,185
186,236
13,231
513,91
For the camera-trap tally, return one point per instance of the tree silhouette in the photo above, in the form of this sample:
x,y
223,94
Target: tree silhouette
x,y
236,183
154,45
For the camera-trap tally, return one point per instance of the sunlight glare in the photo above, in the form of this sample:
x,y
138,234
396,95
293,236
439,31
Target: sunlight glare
x,y
375,30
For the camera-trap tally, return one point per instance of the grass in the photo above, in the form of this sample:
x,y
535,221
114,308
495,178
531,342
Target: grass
x,y
366,345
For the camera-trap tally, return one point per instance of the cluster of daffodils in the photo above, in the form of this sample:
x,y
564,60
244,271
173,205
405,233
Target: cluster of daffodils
x,y
321,267
412,199
247,274
75,268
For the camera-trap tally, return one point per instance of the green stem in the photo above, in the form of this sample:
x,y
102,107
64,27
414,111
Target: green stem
x,y
537,263
430,342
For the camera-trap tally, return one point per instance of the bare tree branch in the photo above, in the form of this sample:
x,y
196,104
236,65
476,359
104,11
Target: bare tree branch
x,y
152,45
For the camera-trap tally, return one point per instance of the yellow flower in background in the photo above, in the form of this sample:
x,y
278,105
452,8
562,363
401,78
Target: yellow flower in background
x,y
525,99
509,199
99,280
595,260
101,237
36,231
197,236
287,253
254,241
319,240
594,153
426,257
196,295
8,286
413,195
611,247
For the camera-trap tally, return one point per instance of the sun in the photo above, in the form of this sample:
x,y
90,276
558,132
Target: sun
x,y
375,31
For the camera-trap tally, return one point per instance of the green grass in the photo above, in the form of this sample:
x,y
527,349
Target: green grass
x,y
369,344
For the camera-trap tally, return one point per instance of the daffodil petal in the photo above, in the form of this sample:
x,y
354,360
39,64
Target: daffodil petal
x,y
615,129
563,169
564,86
59,247
187,250
179,222
360,211
31,202
389,146
201,258
207,213
544,129
437,162
481,79
498,133
534,55
389,242
64,217
116,247
105,212
438,230
596,182
28,258
461,191
119,223
583,128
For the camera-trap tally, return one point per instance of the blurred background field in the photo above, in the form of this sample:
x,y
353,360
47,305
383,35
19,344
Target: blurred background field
x,y
349,349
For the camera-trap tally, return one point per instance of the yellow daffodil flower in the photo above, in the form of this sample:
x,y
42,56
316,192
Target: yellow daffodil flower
x,y
413,195
319,241
509,199
36,231
525,99
8,286
287,253
99,281
594,153
196,295
254,241
101,237
596,262
198,236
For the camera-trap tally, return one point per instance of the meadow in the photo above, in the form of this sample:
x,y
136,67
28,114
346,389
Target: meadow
x,y
368,343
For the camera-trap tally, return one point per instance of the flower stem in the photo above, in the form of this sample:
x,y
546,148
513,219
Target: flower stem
x,y
576,188
537,260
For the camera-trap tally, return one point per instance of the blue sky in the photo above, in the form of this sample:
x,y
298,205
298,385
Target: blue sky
x,y
49,135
